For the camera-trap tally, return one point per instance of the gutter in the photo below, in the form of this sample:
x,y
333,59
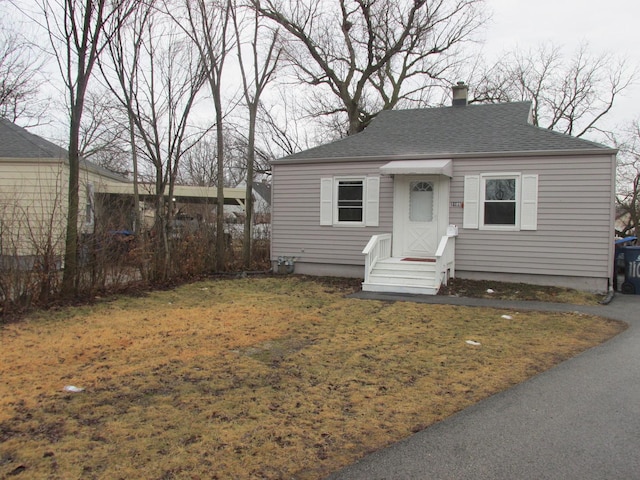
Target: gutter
x,y
439,156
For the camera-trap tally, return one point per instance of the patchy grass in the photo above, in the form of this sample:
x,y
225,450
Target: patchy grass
x,y
266,378
517,291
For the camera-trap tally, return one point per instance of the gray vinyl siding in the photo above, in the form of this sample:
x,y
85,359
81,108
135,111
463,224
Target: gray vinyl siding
x,y
296,230
574,236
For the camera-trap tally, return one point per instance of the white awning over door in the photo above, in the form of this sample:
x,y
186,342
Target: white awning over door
x,y
418,167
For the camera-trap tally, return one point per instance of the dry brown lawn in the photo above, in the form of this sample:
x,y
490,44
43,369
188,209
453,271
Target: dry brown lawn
x,y
267,378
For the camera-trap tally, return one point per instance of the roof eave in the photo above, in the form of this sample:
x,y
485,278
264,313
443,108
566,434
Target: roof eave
x,y
434,156
85,165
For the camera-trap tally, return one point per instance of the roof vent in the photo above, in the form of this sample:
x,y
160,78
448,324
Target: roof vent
x,y
460,92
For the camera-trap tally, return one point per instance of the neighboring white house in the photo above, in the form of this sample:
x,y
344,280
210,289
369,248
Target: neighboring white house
x,y
472,191
34,177
34,194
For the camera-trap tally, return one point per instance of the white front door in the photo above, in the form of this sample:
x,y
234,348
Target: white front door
x,y
415,216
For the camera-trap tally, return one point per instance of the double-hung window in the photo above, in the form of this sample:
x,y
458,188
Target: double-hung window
x,y
500,200
349,201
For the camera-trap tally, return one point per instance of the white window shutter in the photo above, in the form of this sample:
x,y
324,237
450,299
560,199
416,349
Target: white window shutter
x,y
372,203
529,209
326,201
471,201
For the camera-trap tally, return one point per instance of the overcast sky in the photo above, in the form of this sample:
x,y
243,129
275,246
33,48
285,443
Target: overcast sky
x,y
612,26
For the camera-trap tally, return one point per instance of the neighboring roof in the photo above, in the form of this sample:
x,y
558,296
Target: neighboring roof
x,y
18,143
449,132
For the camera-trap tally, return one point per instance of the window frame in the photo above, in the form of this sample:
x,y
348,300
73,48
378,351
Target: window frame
x,y
515,227
90,213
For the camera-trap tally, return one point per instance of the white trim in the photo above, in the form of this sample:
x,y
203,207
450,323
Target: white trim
x,y
372,201
471,213
326,201
529,207
474,155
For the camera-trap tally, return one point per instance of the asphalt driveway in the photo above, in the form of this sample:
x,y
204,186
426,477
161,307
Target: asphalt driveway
x,y
579,420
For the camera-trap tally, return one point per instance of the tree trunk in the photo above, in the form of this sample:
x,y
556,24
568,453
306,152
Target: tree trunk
x,y
248,203
70,274
220,237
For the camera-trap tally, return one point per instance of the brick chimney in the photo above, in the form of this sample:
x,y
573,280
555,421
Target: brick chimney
x,y
460,92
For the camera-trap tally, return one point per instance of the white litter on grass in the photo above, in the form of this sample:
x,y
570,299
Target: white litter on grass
x,y
72,389
490,290
507,317
472,342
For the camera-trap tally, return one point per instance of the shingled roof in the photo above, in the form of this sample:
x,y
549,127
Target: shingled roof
x,y
449,132
17,143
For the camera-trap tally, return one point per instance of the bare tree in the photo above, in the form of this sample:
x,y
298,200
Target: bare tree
x,y
158,78
207,23
77,31
103,133
256,72
569,95
370,55
20,80
628,196
200,165
125,51
283,130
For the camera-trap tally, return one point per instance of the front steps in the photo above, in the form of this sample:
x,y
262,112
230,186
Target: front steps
x,y
398,275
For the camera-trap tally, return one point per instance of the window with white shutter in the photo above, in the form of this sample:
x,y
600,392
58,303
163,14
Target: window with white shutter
x,y
350,201
501,201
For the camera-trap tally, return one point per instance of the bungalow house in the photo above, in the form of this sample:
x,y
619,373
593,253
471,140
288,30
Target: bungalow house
x,y
33,197
471,191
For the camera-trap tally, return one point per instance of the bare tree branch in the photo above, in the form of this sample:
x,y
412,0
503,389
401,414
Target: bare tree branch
x,y
20,81
373,53
570,95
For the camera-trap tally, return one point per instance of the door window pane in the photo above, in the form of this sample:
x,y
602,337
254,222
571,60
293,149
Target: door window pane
x,y
421,202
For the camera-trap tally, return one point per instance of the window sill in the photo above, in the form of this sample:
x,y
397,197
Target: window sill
x,y
349,224
499,228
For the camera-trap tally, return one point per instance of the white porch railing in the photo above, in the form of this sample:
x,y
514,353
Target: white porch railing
x,y
378,248
445,260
